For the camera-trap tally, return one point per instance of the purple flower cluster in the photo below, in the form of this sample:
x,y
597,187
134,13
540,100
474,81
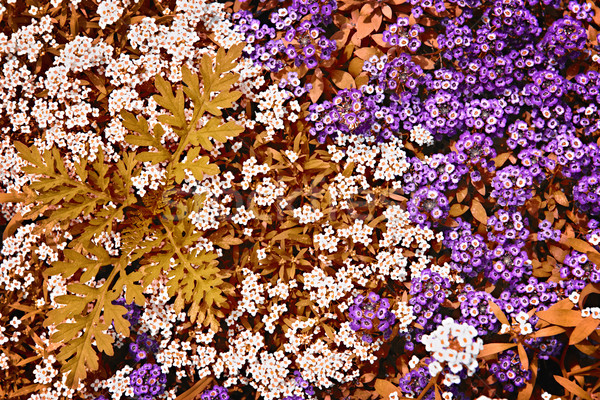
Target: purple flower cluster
x,y
586,193
303,41
475,310
512,22
441,172
215,393
399,73
428,206
142,346
512,186
413,383
545,232
371,314
508,371
147,381
308,388
428,293
402,34
577,271
292,83
530,293
476,150
505,226
571,154
468,250
564,38
583,12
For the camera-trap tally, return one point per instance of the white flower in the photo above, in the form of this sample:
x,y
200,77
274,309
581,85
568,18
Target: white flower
x,y
434,368
413,362
526,329
574,297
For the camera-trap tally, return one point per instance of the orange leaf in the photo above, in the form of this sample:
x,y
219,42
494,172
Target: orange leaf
x,y
478,212
523,357
498,313
580,245
343,79
572,387
355,67
594,257
458,209
317,88
424,62
494,348
376,19
385,388
583,330
461,194
378,38
501,159
561,198
366,52
525,394
387,11
549,331
561,317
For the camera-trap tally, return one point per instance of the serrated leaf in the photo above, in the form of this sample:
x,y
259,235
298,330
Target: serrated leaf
x,y
104,342
175,104
222,100
133,123
214,129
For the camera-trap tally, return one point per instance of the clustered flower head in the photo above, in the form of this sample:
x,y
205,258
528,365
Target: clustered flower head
x,y
215,393
509,372
428,206
455,346
142,347
576,271
428,293
147,381
402,34
371,314
303,43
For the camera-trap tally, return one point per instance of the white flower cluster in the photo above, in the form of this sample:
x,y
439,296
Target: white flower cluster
x,y
404,313
276,311
307,214
268,191
455,344
359,232
252,296
46,373
242,216
250,169
365,351
327,240
421,136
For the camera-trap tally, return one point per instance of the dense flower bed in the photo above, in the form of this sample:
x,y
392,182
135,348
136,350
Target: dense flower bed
x,y
300,199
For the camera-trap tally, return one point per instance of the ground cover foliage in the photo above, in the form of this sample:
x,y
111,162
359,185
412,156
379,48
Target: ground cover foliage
x,y
300,199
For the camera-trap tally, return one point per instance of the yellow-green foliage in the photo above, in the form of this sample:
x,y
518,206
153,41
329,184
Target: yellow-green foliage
x,y
194,276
